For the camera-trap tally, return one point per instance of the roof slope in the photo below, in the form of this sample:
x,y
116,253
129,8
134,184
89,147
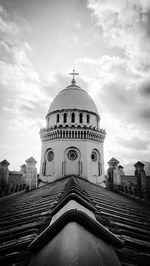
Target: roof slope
x,y
24,216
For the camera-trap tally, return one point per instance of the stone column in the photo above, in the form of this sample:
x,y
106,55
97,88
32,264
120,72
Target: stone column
x,y
139,174
23,173
4,176
31,174
112,175
121,175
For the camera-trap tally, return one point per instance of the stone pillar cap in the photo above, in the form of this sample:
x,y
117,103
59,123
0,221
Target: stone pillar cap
x,y
113,161
139,164
5,162
31,160
23,165
120,167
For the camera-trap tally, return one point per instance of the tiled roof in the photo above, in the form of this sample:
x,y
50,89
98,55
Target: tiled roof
x,y
24,216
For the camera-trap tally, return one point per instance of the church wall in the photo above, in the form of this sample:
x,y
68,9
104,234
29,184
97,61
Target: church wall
x,y
59,148
58,165
91,145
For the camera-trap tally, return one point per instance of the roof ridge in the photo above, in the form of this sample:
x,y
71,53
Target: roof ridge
x,y
82,218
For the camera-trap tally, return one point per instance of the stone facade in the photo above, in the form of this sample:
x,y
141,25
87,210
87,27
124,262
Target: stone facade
x,y
137,185
72,142
31,174
13,181
4,176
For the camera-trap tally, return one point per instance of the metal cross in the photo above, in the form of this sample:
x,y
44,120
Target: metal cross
x,y
73,73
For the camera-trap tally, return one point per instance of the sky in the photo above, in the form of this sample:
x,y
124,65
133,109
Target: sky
x,y
108,43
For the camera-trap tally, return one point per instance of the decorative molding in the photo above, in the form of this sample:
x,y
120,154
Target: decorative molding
x,y
51,133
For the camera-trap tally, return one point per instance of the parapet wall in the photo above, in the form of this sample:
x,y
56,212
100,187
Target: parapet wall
x,y
12,181
137,185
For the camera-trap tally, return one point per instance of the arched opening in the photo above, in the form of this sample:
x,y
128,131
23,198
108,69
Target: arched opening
x,y
75,134
65,117
48,121
78,134
72,161
48,164
88,119
95,163
67,134
81,118
57,118
73,118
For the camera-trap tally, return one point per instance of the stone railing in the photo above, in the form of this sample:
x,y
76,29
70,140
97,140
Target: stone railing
x,y
137,185
131,190
72,133
135,191
11,189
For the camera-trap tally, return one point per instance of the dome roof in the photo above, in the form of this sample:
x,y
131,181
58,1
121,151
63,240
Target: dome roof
x,y
73,97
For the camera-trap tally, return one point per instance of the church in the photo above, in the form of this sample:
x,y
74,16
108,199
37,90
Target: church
x,y
72,142
74,216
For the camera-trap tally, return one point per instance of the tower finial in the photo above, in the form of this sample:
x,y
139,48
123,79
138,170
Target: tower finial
x,y
73,76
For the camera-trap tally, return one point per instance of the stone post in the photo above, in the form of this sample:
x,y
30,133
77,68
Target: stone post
x,y
23,173
112,175
23,170
31,174
4,176
121,175
139,174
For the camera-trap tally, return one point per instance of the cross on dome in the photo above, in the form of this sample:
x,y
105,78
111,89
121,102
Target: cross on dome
x,y
73,76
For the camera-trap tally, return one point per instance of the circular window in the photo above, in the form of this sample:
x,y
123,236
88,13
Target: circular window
x,y
72,155
94,156
50,156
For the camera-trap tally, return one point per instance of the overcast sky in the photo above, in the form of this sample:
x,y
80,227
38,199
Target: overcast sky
x,y
108,43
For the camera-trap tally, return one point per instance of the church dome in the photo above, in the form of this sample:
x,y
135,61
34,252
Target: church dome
x,y
73,97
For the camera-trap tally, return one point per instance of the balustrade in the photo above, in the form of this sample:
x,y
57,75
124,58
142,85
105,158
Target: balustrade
x,y
71,134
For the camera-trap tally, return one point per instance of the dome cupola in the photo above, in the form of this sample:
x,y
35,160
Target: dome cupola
x,y
73,97
73,106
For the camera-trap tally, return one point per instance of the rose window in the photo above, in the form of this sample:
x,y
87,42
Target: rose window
x,y
50,156
94,156
72,155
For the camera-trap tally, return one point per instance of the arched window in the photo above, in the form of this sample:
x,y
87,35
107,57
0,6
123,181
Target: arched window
x,y
72,154
73,134
73,118
48,121
65,117
88,119
81,118
50,156
67,134
57,118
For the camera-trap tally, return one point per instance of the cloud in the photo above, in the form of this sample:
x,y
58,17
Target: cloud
x,y
144,88
74,24
134,143
122,96
121,91
19,82
126,25
73,40
7,26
